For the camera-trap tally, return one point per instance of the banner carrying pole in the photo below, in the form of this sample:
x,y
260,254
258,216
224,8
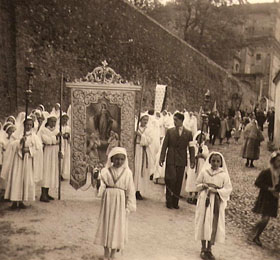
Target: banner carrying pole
x,y
60,140
140,108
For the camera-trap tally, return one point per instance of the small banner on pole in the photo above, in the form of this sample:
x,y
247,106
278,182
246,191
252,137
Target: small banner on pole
x,y
159,97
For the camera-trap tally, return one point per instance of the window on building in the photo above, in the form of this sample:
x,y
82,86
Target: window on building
x,y
236,67
258,56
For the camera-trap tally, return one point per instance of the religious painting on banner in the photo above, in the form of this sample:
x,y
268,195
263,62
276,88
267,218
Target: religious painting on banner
x,y
103,109
159,97
103,129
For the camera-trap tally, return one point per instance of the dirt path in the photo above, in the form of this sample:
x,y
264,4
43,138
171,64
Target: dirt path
x,y
64,230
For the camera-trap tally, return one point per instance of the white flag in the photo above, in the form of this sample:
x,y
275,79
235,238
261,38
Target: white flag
x,y
159,97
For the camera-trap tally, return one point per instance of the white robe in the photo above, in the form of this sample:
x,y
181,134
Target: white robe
x,y
193,173
66,149
50,157
21,174
117,201
141,175
192,125
204,215
154,147
160,171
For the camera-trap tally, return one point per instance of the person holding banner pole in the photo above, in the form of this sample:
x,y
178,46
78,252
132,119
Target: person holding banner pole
x,y
50,138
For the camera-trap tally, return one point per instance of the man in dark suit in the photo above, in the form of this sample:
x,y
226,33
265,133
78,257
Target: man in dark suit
x,y
176,142
214,126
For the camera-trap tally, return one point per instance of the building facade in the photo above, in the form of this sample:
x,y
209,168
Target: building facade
x,y
259,60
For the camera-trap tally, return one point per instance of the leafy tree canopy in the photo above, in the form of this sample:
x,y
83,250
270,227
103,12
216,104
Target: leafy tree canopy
x,y
211,26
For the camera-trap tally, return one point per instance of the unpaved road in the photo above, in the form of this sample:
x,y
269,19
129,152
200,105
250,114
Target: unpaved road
x,y
65,230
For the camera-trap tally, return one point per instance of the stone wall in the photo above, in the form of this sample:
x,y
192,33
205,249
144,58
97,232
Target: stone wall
x,y
7,58
73,37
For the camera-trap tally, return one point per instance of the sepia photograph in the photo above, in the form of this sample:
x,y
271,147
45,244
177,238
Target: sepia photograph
x,y
139,129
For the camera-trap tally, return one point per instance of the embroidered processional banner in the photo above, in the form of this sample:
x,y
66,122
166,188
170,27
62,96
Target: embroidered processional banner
x,y
159,97
102,117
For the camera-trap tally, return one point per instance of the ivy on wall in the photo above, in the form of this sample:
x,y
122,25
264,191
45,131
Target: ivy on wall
x,y
73,37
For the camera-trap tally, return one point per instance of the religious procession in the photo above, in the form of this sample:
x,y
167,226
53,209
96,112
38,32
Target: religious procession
x,y
129,130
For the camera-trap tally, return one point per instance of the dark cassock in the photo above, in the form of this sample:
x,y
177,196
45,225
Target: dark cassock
x,y
176,142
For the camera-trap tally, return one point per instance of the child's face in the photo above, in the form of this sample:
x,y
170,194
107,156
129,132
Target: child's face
x,y
52,122
28,125
144,121
10,131
64,120
215,161
118,160
10,119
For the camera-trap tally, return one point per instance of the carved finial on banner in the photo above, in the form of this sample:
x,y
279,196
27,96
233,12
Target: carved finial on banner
x,y
102,74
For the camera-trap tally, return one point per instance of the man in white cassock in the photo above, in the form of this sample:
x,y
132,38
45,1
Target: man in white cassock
x,y
21,167
143,141
50,138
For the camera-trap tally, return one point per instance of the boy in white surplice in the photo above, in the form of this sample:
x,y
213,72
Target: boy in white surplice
x,y
118,200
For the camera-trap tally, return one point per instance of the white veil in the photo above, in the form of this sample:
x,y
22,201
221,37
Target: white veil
x,y
114,151
207,165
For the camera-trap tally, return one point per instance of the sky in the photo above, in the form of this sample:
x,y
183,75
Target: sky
x,y
250,1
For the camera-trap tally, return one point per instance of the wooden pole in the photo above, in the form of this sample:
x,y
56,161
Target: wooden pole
x,y
60,140
140,108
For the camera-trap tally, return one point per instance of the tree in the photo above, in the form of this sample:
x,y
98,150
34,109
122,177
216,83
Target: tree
x,y
146,5
212,27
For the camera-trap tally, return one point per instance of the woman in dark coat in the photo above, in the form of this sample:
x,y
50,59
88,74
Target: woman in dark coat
x,y
267,201
253,138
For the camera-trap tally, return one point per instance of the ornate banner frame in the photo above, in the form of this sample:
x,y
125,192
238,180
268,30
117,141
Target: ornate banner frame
x,y
101,87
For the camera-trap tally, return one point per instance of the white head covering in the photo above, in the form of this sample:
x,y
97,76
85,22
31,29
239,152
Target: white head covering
x,y
114,151
207,164
9,118
65,114
51,116
20,127
42,107
38,111
6,125
20,118
10,126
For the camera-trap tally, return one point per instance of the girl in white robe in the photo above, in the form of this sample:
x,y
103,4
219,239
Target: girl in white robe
x,y
49,135
118,200
201,153
143,141
215,187
19,170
